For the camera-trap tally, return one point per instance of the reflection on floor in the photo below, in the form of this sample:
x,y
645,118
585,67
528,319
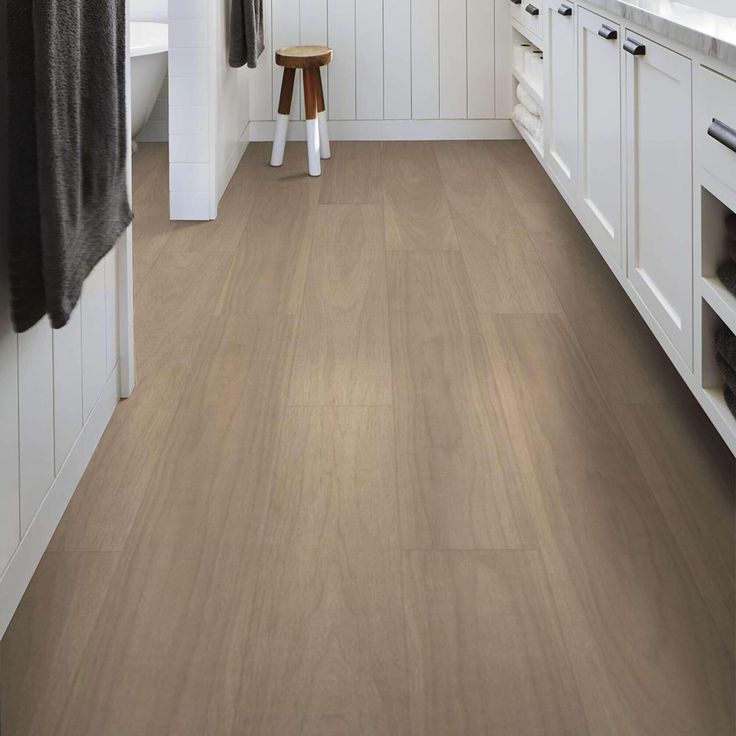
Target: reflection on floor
x,y
402,459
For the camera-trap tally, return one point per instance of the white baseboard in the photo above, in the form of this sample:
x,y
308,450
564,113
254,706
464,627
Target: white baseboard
x,y
20,569
397,130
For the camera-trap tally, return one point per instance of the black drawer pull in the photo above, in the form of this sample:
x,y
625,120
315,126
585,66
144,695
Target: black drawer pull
x,y
723,134
564,9
516,2
634,47
532,9
610,34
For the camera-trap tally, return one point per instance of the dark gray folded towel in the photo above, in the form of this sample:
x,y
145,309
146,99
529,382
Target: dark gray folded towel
x,y
246,32
727,274
727,372
72,163
726,344
730,398
731,225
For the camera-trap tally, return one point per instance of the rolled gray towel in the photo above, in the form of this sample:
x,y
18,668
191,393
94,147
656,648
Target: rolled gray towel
x,y
730,398
246,33
726,344
727,274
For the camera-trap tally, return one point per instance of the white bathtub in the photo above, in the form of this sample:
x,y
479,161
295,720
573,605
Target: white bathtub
x,y
149,51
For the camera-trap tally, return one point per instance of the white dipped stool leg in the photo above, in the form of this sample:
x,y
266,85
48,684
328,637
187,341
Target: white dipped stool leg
x,y
282,119
313,148
279,140
311,85
324,135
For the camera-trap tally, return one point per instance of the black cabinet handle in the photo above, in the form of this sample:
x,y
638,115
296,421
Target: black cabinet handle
x,y
610,34
634,47
532,9
564,9
516,2
723,134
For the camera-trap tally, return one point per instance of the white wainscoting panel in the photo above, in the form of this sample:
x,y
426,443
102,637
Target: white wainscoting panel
x,y
394,60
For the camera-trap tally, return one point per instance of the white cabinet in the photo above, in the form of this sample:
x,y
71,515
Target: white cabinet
x,y
659,186
600,153
561,99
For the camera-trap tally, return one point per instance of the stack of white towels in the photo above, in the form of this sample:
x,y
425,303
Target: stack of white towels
x,y
528,115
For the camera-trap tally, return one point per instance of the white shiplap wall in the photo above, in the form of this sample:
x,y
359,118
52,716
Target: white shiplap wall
x,y
395,60
51,384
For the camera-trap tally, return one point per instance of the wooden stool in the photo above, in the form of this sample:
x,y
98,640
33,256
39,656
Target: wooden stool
x,y
309,59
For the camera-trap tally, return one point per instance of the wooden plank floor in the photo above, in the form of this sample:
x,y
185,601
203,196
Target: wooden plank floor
x,y
403,460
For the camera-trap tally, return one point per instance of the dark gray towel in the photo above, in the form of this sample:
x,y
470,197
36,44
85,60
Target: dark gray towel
x,y
731,225
726,344
730,398
727,274
69,149
727,372
246,32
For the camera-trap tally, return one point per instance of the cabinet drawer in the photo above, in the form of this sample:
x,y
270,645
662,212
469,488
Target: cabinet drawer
x,y
715,124
532,12
517,11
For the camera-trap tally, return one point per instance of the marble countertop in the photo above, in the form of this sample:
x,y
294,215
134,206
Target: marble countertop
x,y
712,35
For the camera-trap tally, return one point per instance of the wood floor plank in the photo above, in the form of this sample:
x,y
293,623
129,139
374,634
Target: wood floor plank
x,y
335,480
628,362
459,483
194,545
323,649
541,207
504,269
45,643
485,648
151,225
691,473
354,174
343,351
417,216
270,265
647,656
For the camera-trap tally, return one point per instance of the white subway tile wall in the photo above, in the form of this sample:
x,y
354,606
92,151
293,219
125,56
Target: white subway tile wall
x,y
188,96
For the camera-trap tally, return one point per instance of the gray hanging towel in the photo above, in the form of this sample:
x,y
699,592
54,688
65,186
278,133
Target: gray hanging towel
x,y
246,32
76,188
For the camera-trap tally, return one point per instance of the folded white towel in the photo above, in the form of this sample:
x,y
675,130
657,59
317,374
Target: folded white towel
x,y
529,122
522,94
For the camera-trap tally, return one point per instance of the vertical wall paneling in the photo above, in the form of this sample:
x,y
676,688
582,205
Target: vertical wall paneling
x,y
68,409
425,83
111,309
369,59
503,93
36,417
286,32
94,348
313,32
9,470
261,88
454,59
480,29
341,34
397,59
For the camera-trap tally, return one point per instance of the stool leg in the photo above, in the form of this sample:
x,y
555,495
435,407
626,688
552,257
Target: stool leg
x,y
324,135
310,108
282,119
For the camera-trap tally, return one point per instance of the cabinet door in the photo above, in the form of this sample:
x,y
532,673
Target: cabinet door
x,y
659,179
561,115
600,145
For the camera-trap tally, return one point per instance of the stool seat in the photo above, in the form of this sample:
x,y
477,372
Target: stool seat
x,y
303,57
